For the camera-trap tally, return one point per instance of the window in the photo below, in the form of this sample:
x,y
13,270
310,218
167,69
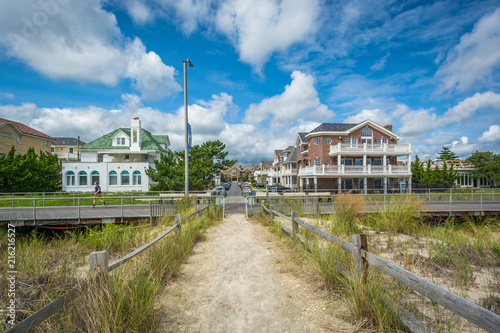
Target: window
x,y
82,178
366,133
317,161
118,141
359,161
317,141
146,158
6,133
346,184
19,138
368,161
100,157
328,141
71,150
125,178
127,156
377,161
378,183
95,176
113,178
379,142
346,162
136,176
350,142
70,178
46,143
52,149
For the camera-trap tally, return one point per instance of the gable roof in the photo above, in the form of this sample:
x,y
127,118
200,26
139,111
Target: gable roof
x,y
66,142
333,127
148,141
302,137
25,129
347,128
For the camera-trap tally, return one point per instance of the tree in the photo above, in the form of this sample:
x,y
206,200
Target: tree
x,y
447,154
205,161
29,172
487,165
432,177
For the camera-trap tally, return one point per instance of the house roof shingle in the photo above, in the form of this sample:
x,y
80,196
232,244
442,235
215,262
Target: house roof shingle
x,y
25,129
148,141
332,127
66,142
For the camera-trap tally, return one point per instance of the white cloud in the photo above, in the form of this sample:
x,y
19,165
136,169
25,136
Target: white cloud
x,y
299,102
80,41
376,115
6,95
463,147
261,27
188,13
380,63
475,57
425,120
139,11
491,135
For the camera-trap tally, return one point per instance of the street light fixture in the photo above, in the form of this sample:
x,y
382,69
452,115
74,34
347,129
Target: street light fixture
x,y
186,144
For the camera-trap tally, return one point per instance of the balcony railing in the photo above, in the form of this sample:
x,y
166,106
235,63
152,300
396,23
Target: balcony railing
x,y
365,148
289,172
354,170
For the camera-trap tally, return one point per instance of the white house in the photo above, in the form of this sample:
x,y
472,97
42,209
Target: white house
x,y
117,160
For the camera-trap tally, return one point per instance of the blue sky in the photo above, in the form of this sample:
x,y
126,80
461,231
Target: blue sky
x,y
263,69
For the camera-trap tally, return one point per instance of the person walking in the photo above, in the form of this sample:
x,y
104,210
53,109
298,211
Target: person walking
x,y
97,194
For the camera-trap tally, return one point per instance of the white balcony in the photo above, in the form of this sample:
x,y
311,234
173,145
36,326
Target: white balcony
x,y
261,173
289,172
347,171
370,149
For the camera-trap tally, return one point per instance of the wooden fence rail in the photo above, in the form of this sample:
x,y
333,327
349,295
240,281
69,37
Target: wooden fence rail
x,y
481,317
97,259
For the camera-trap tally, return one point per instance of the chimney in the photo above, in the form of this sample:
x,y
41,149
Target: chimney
x,y
135,134
388,127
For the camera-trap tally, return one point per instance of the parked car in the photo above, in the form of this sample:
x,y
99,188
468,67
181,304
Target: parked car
x,y
279,189
226,186
219,190
247,189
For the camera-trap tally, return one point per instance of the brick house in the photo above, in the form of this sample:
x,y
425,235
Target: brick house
x,y
238,172
260,174
361,157
22,137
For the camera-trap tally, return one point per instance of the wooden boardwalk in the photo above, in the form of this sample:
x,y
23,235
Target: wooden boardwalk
x,y
73,214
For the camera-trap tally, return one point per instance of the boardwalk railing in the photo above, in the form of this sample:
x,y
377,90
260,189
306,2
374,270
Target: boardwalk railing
x,y
97,259
481,317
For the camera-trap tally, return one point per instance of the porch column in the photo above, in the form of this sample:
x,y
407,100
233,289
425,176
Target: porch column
x,y
301,184
339,184
409,184
315,184
365,185
384,163
385,185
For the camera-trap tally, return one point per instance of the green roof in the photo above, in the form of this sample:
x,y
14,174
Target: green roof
x,y
148,141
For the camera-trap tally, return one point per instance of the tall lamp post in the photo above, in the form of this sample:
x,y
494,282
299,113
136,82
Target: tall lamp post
x,y
186,144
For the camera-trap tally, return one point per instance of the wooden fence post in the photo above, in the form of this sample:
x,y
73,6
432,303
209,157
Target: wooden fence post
x,y
360,264
295,225
98,259
178,221
150,213
198,211
271,217
317,206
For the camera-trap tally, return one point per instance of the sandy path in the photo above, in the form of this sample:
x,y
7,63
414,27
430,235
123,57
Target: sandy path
x,y
240,280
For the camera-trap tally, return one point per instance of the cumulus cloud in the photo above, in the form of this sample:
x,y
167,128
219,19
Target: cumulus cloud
x,y
245,142
261,27
80,41
491,135
463,147
425,120
139,11
376,115
299,102
475,57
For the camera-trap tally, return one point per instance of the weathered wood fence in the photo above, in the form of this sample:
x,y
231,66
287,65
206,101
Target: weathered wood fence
x,y
97,259
474,313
